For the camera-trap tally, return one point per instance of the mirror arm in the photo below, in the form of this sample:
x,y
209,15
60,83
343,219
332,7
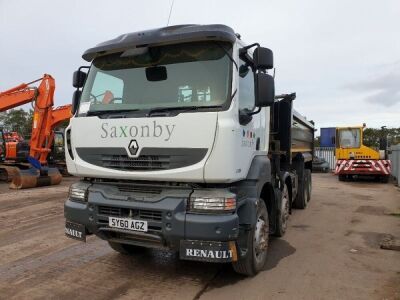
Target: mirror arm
x,y
245,56
83,67
255,112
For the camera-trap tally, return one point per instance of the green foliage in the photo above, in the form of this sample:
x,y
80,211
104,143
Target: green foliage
x,y
317,141
20,120
372,136
17,120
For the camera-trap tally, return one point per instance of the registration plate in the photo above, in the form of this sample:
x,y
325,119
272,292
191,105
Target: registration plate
x,y
128,224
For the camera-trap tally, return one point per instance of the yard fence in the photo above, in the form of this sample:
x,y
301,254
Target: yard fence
x,y
395,159
328,153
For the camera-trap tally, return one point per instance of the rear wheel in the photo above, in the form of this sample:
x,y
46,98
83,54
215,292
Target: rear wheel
x,y
309,180
342,177
384,179
303,193
126,248
283,216
257,243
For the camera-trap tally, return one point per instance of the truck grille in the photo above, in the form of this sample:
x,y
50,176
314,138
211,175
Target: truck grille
x,y
150,159
143,162
150,215
127,188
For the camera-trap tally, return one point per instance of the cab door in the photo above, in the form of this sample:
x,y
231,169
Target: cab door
x,y
251,132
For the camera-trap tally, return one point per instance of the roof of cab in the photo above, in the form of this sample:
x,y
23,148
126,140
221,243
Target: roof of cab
x,y
162,36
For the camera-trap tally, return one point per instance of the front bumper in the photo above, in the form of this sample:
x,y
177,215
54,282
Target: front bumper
x,y
363,167
168,222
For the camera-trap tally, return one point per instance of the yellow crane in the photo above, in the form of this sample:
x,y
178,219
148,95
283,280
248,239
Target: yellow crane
x,y
354,158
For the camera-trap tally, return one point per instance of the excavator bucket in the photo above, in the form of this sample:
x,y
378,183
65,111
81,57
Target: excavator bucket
x,y
30,178
7,173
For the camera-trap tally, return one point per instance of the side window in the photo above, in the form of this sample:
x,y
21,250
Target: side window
x,y
107,88
246,87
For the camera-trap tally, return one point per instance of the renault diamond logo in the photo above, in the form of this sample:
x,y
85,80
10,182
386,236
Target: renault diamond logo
x,y
133,147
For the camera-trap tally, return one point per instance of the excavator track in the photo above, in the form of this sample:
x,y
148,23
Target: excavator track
x,y
31,178
7,173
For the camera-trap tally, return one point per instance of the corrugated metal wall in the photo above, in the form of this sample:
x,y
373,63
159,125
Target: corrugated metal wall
x,y
328,153
395,159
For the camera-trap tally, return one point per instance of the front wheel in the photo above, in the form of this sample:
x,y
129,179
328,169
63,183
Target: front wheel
x,y
257,244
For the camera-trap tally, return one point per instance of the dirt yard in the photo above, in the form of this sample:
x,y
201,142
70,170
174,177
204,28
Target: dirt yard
x,y
331,251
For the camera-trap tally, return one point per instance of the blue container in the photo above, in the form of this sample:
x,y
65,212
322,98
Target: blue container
x,y
328,136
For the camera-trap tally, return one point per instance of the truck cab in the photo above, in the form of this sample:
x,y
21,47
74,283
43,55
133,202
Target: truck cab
x,y
350,144
172,136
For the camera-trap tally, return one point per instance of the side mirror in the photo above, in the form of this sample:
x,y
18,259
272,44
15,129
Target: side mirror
x,y
263,58
264,89
78,79
76,97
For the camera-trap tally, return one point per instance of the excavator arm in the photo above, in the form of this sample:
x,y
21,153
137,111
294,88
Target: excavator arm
x,y
17,96
45,139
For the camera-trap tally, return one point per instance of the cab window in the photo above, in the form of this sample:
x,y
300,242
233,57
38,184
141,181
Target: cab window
x,y
350,138
107,89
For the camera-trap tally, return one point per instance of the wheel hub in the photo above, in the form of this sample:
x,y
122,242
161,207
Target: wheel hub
x,y
261,236
285,208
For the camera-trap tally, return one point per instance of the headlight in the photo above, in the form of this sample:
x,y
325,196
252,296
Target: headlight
x,y
215,204
78,193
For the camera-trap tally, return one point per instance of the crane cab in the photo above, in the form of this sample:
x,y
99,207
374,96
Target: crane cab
x,y
349,144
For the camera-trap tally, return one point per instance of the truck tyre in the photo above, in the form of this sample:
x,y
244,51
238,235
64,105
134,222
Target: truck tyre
x,y
125,248
309,176
384,179
342,177
283,215
257,242
303,194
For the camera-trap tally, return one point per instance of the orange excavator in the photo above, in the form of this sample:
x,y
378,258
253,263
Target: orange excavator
x,y
45,119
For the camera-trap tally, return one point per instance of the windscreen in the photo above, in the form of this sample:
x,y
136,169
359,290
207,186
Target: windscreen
x,y
191,74
350,138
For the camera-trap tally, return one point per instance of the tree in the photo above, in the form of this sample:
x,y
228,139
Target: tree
x,y
372,136
18,120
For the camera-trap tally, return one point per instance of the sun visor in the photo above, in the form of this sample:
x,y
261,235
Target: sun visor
x,y
162,36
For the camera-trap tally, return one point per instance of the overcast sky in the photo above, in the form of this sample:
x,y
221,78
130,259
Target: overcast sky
x,y
341,57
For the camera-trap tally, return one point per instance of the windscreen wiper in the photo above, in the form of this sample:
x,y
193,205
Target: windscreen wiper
x,y
109,112
178,108
227,54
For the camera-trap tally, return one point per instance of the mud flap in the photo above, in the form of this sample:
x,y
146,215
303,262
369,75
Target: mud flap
x,y
208,251
75,231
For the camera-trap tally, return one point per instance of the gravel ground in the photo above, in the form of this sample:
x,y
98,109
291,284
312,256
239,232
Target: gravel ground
x,y
331,251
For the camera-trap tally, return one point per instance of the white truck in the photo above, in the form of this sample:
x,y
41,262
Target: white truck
x,y
182,144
